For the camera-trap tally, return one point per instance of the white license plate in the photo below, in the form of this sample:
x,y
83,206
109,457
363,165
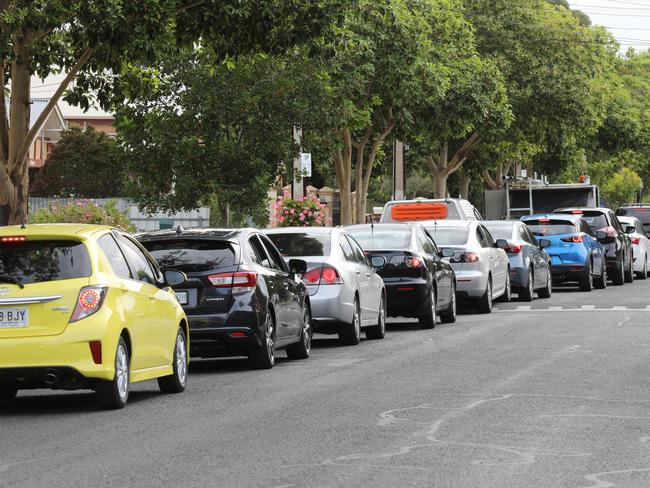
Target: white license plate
x,y
182,297
13,318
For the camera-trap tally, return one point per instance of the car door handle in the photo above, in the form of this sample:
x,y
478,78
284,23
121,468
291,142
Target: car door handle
x,y
358,272
368,275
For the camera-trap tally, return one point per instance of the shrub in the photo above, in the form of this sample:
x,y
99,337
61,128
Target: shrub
x,y
305,212
83,212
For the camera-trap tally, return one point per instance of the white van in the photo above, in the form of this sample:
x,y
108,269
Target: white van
x,y
429,209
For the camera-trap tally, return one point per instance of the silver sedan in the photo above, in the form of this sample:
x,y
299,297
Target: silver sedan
x,y
346,293
482,268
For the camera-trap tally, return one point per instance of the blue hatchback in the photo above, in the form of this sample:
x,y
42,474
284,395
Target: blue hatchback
x,y
576,254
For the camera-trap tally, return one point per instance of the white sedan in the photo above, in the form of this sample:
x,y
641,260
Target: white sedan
x,y
640,244
481,265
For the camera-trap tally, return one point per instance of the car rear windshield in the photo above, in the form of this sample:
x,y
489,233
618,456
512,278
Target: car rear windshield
x,y
40,261
384,239
449,236
641,213
191,255
501,232
596,220
551,227
294,244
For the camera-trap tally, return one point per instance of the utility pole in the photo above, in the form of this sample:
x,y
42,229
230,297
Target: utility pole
x,y
399,175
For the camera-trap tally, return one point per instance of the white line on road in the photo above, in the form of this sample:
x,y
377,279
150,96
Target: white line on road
x,y
559,309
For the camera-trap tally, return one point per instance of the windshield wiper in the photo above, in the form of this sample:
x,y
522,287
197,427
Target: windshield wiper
x,y
11,279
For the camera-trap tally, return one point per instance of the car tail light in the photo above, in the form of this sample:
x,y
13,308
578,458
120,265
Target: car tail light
x,y
574,239
13,239
610,231
513,248
636,240
238,333
544,221
414,262
326,275
466,257
576,212
90,301
239,282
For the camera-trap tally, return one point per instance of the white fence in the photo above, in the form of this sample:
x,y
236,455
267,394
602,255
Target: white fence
x,y
142,220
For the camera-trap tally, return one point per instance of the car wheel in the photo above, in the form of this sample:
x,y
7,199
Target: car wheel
x,y
601,281
176,382
114,394
629,273
643,275
526,294
449,315
7,393
619,278
378,331
484,304
350,335
428,319
587,283
547,291
264,356
302,348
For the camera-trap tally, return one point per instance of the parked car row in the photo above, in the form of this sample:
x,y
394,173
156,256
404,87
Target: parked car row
x,y
91,307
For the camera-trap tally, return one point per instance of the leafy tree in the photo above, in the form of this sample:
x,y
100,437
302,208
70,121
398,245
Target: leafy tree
x,y
557,74
84,164
210,129
92,39
621,187
388,58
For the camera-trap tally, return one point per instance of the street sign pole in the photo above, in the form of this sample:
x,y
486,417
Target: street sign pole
x,y
298,183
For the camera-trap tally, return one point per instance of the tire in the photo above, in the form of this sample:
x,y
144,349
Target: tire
x,y
643,275
302,348
350,335
507,294
8,393
547,291
176,382
114,394
378,331
587,283
629,273
449,315
264,356
601,282
619,277
527,293
484,304
428,319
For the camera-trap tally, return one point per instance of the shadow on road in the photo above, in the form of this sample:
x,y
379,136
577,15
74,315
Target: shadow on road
x,y
68,403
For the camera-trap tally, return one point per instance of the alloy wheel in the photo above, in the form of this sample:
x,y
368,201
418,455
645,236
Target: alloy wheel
x,y
181,359
270,340
122,371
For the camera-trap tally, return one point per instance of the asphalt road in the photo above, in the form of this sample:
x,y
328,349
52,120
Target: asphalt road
x,y
550,394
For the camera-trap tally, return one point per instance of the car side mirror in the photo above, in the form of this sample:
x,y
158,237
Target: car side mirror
x,y
297,266
377,261
544,243
501,243
447,252
630,229
174,277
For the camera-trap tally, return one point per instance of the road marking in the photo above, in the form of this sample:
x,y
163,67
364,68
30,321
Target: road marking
x,y
598,483
561,309
588,307
626,319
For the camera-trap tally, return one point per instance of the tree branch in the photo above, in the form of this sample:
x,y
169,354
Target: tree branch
x,y
4,123
461,155
33,131
189,6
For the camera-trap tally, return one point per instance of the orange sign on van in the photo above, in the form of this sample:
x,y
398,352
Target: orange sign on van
x,y
406,212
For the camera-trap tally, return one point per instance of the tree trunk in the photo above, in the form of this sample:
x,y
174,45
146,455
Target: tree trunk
x,y
343,169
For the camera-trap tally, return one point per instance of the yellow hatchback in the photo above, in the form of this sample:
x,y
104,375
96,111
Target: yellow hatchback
x,y
86,307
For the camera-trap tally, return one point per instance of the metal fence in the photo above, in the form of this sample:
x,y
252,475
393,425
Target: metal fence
x,y
142,220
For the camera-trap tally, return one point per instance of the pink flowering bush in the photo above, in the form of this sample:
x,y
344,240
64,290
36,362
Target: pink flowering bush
x,y
307,212
83,212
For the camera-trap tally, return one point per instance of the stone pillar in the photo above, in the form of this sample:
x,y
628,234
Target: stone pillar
x,y
326,196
